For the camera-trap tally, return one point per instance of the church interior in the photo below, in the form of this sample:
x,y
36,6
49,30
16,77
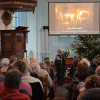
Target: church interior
x,y
52,48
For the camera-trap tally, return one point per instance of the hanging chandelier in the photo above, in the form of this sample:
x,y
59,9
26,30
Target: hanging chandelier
x,y
18,5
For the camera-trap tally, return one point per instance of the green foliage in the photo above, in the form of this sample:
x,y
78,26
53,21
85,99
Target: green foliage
x,y
87,46
66,53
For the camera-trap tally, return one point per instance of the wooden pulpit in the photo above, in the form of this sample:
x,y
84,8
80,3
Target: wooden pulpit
x,y
13,42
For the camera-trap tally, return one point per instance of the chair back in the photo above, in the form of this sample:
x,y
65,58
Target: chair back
x,y
45,85
54,85
37,91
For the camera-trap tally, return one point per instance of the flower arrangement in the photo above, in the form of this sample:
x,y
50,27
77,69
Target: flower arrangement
x,y
66,53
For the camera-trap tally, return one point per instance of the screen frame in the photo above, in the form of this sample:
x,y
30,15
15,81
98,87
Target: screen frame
x,y
72,34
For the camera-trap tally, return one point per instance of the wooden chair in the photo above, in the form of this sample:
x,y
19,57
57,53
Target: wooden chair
x,y
37,91
45,85
54,85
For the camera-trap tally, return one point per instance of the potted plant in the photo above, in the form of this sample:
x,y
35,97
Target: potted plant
x,y
66,53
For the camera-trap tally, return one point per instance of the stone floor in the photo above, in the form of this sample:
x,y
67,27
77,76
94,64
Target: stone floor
x,y
61,93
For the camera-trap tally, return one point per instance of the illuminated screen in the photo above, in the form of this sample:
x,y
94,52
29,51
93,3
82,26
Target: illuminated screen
x,y
73,18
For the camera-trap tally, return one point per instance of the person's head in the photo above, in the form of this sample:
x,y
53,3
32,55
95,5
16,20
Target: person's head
x,y
83,68
35,68
33,60
97,71
43,65
12,59
91,94
27,64
75,60
20,65
5,61
94,61
46,58
59,51
12,79
97,62
26,61
47,62
92,81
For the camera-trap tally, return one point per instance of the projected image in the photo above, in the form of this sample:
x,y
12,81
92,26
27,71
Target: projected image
x,y
78,18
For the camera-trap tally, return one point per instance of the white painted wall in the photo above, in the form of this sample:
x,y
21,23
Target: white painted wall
x,y
51,46
31,43
63,43
35,44
36,39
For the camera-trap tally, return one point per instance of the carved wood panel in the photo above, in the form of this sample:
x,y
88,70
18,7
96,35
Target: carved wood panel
x,y
13,42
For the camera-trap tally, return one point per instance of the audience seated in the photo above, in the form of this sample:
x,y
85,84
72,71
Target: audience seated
x,y
97,62
26,75
83,69
12,59
92,81
34,70
1,78
27,87
5,66
43,66
93,66
83,72
32,60
75,62
50,69
91,94
27,63
47,62
32,84
43,72
78,79
22,86
97,71
31,80
11,87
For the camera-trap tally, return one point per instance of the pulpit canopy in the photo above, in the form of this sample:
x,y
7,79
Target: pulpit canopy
x,y
18,5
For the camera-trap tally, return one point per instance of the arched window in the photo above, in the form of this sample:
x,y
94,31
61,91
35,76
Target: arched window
x,y
19,19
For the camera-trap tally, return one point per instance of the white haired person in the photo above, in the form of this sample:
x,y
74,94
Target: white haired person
x,y
36,84
43,72
60,67
78,79
34,70
5,66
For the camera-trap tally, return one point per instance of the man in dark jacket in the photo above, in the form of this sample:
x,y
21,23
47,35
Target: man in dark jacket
x,y
60,67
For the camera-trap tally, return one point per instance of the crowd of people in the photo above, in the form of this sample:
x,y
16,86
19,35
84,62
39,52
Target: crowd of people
x,y
21,79
85,83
